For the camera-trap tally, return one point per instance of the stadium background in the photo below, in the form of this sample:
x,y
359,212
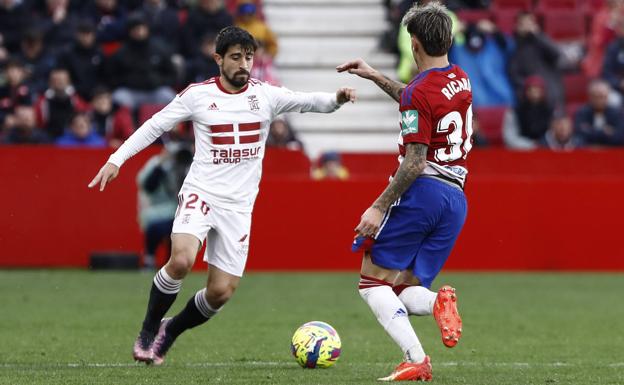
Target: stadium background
x,y
540,214
539,209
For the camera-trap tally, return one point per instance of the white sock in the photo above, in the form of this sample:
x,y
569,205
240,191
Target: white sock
x,y
418,300
165,283
392,316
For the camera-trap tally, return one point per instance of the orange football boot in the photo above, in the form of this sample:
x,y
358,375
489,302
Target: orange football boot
x,y
447,317
409,371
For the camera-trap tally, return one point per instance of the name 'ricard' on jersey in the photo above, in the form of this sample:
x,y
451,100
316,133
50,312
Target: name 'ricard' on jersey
x,y
455,86
230,135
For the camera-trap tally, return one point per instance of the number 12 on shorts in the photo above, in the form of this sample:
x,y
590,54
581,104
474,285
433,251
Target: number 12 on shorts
x,y
191,204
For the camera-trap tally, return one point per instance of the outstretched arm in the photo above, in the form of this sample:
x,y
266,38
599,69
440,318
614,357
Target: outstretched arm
x,y
360,68
412,166
286,100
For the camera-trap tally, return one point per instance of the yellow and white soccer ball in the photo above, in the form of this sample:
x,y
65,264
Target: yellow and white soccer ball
x,y
316,345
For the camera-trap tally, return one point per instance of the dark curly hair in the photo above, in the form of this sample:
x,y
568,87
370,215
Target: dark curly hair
x,y
230,36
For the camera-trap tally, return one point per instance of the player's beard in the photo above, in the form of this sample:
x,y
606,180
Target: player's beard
x,y
239,79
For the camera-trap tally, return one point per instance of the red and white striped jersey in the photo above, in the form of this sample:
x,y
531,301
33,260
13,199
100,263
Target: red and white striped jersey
x,y
230,134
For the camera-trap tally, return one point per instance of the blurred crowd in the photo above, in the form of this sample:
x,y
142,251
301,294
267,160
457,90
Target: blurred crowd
x,y
88,72
544,73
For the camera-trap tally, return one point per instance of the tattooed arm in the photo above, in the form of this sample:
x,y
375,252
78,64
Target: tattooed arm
x,y
412,166
391,87
359,67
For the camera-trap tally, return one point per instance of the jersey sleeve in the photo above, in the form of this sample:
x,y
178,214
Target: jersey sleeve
x,y
285,100
416,119
178,110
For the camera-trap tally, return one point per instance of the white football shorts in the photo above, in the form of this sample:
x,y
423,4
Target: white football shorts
x,y
225,231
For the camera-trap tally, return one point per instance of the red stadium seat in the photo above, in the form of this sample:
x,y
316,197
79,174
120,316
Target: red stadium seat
x,y
182,16
557,5
575,86
469,16
490,121
564,26
571,109
147,110
506,21
512,5
595,5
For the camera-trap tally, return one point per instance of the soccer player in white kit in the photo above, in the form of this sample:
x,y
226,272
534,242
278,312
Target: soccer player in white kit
x,y
231,115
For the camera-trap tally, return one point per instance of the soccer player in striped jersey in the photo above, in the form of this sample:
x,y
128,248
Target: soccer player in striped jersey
x,y
408,232
231,115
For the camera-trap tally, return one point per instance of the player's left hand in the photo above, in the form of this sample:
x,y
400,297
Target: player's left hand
x,y
370,222
345,94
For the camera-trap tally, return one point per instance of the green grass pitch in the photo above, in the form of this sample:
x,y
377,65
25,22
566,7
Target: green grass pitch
x,y
77,327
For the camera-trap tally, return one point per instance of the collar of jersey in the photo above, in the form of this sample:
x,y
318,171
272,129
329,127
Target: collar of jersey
x,y
220,86
422,75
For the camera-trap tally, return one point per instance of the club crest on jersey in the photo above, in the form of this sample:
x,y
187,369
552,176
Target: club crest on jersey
x,y
254,104
409,122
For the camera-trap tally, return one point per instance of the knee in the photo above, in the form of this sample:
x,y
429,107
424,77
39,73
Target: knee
x,y
218,294
180,264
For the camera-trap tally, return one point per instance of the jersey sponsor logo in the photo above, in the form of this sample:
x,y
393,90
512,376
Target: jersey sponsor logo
x,y
254,103
213,107
234,156
409,120
455,86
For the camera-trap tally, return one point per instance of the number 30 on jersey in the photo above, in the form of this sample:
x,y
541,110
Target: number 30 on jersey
x,y
459,144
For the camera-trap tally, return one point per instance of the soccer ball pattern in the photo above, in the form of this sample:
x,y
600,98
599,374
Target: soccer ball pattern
x,y
316,345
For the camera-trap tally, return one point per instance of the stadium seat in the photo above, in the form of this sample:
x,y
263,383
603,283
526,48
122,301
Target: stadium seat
x,y
182,16
469,16
575,86
565,25
572,108
491,123
512,5
557,5
595,5
506,21
147,110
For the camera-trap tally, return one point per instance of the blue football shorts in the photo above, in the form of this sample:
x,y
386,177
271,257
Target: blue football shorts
x,y
419,230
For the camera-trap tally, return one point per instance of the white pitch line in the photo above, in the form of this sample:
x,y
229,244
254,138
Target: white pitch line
x,y
288,364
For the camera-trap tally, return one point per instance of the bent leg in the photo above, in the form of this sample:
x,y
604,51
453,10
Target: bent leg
x,y
200,308
220,287
418,300
165,287
376,289
168,280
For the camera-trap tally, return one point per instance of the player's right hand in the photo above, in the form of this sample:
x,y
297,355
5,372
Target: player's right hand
x,y
106,174
357,67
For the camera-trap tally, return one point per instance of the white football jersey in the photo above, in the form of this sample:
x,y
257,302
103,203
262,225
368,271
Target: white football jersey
x,y
230,135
